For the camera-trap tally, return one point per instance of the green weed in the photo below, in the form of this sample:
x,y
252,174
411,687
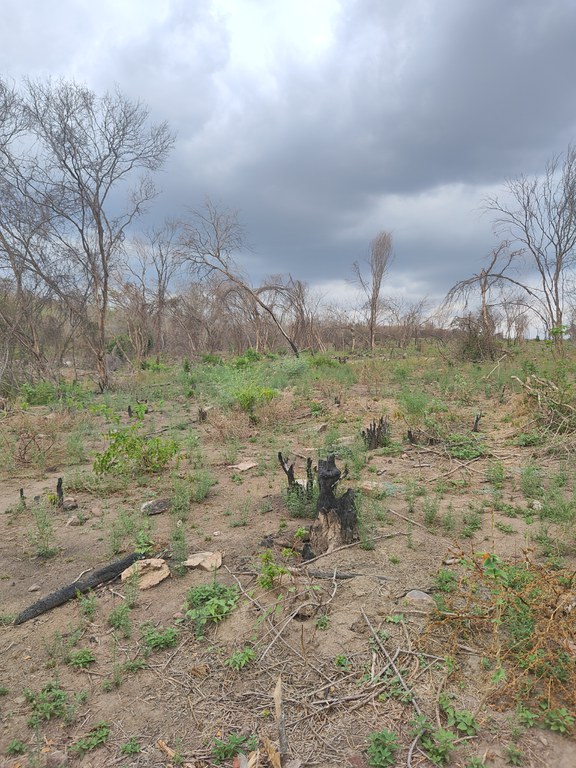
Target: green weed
x,y
158,638
240,659
209,603
94,738
382,748
225,749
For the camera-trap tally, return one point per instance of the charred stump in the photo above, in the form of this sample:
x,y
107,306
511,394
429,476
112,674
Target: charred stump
x,y
337,521
376,435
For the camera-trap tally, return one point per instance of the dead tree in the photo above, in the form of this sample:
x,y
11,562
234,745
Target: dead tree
x,y
337,521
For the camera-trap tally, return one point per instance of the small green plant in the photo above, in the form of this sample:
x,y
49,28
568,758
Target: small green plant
x,y
6,619
430,507
461,719
51,702
94,738
270,571
16,747
342,661
202,482
504,528
559,720
382,749
209,603
119,619
158,638
438,745
88,604
224,749
514,755
526,717
445,581
531,482
42,535
4,691
323,622
179,550
240,659
472,523
81,659
496,474
132,747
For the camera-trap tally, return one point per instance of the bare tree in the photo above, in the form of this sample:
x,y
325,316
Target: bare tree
x,y
370,280
211,239
152,263
539,214
79,153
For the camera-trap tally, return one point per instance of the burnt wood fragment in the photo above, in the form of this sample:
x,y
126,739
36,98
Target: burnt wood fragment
x,y
95,579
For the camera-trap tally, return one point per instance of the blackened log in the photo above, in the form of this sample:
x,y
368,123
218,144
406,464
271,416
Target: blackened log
x,y
101,576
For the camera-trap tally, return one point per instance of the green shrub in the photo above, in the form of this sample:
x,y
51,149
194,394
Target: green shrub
x,y
129,451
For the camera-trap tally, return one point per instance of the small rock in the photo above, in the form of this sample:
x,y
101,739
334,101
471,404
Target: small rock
x,y
178,615
74,520
212,563
322,428
151,571
536,505
96,511
209,561
543,739
69,504
156,506
244,466
34,588
421,599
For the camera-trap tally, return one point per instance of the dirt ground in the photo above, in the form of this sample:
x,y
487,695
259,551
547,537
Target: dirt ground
x,y
331,669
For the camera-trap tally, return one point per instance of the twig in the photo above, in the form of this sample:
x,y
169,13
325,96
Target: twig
x,y
347,546
82,574
392,664
408,520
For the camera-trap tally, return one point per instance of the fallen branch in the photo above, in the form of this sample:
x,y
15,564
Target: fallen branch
x,y
61,596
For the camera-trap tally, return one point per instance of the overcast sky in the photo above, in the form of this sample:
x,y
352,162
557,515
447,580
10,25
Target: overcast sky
x,y
326,121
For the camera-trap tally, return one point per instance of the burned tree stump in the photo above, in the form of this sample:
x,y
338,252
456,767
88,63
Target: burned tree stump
x,y
376,435
337,521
